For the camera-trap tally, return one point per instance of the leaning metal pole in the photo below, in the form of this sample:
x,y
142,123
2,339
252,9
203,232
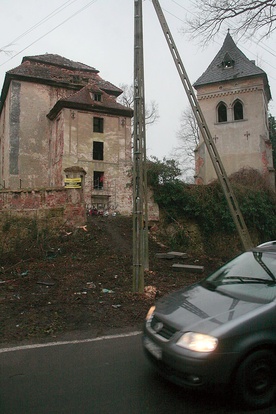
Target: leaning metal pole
x,y
206,134
140,244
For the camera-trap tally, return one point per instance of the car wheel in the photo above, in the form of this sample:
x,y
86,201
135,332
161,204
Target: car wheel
x,y
255,383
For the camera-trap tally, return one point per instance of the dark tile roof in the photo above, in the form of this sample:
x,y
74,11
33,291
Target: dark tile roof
x,y
59,61
230,63
59,71
84,99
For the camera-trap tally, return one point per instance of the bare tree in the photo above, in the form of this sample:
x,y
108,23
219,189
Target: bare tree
x,y
127,99
188,139
246,16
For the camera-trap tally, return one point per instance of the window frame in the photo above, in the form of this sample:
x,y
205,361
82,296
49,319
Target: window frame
x,y
97,97
219,113
98,180
98,124
240,110
98,151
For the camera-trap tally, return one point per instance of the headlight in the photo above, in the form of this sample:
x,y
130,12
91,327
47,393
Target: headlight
x,y
198,342
150,313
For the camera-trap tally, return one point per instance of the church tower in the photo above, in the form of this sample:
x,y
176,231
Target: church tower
x,y
233,94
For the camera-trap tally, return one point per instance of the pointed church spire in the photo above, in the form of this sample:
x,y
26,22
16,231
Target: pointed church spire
x,y
231,63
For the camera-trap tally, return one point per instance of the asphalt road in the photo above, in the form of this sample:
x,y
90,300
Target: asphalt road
x,y
103,376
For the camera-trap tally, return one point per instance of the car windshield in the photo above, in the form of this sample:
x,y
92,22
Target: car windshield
x,y
255,266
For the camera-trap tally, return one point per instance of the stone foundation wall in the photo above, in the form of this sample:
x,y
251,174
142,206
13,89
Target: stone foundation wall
x,y
36,212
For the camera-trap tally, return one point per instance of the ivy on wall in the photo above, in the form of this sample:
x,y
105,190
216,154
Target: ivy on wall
x,y
207,204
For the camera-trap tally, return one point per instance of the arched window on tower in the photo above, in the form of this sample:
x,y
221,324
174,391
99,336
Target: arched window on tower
x,y
222,112
238,110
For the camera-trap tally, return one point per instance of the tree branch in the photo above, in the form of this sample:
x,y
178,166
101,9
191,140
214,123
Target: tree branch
x,y
246,16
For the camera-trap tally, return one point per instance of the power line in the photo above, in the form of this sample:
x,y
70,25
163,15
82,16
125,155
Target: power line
x,y
259,44
50,31
44,20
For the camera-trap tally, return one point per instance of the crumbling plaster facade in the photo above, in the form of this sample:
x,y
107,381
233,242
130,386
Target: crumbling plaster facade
x,y
48,110
26,135
72,144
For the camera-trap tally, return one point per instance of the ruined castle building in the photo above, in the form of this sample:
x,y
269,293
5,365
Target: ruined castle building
x,y
60,124
233,94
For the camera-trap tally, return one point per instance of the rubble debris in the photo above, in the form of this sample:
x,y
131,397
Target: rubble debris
x,y
172,255
179,255
164,256
45,283
191,268
83,227
52,254
150,291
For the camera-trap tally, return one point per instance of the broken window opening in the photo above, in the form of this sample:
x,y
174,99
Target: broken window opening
x,y
76,78
98,150
238,110
227,62
98,97
98,124
222,112
98,180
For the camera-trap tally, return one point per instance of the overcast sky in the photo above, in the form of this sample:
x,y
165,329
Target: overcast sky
x,y
99,33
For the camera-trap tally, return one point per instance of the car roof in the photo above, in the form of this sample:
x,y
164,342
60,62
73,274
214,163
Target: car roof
x,y
268,246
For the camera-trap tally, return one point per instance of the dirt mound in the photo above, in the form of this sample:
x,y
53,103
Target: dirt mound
x,y
82,281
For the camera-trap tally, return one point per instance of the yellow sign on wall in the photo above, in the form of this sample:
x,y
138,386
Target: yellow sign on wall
x,y
72,182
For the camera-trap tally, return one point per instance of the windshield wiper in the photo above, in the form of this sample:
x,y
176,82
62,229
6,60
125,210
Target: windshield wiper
x,y
239,278
245,279
258,258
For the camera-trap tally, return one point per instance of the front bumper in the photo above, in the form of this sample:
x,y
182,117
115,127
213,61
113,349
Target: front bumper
x,y
186,368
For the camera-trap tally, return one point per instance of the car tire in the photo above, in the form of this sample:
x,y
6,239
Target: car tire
x,y
255,383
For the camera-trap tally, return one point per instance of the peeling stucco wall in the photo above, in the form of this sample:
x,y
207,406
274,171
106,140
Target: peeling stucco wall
x,y
14,127
36,150
116,164
62,205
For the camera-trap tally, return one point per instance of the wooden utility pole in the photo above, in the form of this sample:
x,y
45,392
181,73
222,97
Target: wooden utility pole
x,y
140,220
